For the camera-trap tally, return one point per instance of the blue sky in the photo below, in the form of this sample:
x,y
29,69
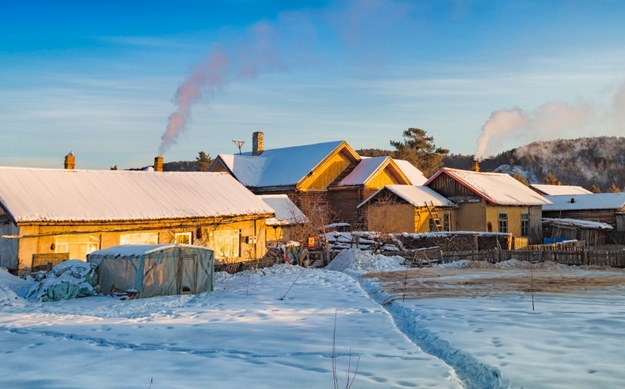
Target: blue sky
x,y
101,78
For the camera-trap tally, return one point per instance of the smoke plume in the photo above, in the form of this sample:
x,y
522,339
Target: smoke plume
x,y
550,121
263,49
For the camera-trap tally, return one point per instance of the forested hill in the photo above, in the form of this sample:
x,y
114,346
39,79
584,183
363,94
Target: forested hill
x,y
598,161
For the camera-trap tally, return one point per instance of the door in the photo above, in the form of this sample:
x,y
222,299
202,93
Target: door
x,y
189,270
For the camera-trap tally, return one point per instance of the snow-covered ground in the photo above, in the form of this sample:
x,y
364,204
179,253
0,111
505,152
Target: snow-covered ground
x,y
273,328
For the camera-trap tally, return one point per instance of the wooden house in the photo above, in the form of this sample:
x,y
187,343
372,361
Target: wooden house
x,y
48,215
592,232
601,207
284,225
492,202
408,208
331,169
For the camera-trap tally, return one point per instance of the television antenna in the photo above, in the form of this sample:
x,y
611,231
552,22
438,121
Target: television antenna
x,y
239,144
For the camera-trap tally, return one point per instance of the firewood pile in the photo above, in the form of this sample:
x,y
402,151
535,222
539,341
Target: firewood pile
x,y
447,241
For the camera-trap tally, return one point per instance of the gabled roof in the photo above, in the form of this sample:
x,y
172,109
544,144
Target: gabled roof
x,y
32,195
415,175
287,213
419,196
365,169
494,188
285,166
552,190
614,201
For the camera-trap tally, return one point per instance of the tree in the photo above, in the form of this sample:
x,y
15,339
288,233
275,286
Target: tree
x,y
419,149
613,188
595,189
521,178
551,179
203,161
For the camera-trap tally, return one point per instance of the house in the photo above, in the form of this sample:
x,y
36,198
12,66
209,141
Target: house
x,y
48,215
554,190
493,202
283,226
607,208
155,270
408,208
331,169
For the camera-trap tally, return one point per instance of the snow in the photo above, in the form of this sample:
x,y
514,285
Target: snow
x,y
135,250
552,190
286,211
495,188
588,224
30,194
419,196
273,327
587,201
278,167
364,170
415,175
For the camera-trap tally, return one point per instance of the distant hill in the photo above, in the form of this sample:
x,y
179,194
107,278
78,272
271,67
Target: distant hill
x,y
585,162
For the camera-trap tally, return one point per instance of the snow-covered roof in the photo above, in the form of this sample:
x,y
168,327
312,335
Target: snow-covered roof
x,y
364,170
135,250
415,175
553,190
419,196
585,224
30,194
495,188
586,201
278,167
287,212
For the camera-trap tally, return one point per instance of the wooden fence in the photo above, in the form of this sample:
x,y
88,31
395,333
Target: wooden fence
x,y
602,256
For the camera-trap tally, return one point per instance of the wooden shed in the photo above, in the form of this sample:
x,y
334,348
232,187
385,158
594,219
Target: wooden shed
x,y
408,208
600,207
154,270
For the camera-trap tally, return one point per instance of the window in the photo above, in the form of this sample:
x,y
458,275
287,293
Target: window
x,y
183,238
78,246
446,222
226,243
503,222
525,224
139,238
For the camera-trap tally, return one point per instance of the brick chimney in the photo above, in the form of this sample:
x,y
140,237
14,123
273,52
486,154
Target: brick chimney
x,y
158,164
476,165
258,143
70,161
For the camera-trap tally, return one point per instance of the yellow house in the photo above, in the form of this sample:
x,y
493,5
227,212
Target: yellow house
x,y
49,215
492,202
332,169
408,208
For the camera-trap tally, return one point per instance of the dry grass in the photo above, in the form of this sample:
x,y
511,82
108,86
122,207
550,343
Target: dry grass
x,y
472,282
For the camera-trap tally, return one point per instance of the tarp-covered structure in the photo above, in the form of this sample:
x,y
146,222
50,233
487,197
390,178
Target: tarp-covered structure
x,y
155,270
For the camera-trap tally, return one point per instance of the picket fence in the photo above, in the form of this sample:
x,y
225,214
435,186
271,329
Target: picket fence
x,y
576,254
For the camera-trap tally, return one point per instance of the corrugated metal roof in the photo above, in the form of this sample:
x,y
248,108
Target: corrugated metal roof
x,y
31,195
495,188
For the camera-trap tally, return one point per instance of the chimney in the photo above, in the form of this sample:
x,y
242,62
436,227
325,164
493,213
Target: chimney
x,y
70,161
258,143
158,164
476,165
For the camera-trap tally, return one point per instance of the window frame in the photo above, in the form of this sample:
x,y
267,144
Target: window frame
x,y
502,222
